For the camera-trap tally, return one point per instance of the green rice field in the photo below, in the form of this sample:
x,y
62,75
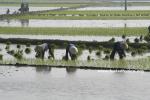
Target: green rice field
x,y
74,31
140,64
80,15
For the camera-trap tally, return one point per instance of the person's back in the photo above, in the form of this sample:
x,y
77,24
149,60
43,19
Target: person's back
x,y
44,46
41,49
72,51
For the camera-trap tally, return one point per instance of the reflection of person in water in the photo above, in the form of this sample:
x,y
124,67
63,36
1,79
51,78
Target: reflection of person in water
x,y
72,51
71,70
119,47
43,69
41,49
24,22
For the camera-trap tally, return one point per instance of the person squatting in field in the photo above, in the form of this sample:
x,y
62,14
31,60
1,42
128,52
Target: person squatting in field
x,y
119,47
71,50
41,49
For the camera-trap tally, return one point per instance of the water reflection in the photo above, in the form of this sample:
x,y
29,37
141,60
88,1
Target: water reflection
x,y
43,69
71,70
8,21
25,84
24,22
74,23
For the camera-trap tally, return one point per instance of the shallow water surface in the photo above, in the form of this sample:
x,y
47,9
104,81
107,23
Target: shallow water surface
x,y
3,9
115,8
28,83
74,23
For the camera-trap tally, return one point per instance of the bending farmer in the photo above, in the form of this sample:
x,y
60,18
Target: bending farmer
x,y
119,47
72,51
41,49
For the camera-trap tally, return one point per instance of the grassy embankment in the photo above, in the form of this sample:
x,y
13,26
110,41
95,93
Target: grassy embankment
x,y
140,64
84,15
74,31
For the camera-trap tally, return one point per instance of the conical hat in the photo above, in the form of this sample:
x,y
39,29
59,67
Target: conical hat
x,y
73,50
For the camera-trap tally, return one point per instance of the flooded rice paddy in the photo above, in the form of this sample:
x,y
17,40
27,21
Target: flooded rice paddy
x,y
60,53
74,23
115,8
3,9
44,83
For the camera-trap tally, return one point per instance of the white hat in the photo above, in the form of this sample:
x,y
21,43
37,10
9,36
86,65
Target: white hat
x,y
73,50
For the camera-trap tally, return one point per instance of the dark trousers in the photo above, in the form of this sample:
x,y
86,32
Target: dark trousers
x,y
40,54
73,57
119,49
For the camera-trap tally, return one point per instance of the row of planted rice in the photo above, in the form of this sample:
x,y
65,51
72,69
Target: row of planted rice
x,y
27,51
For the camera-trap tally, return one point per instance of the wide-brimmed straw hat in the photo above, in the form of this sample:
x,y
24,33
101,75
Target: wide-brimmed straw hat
x,y
73,50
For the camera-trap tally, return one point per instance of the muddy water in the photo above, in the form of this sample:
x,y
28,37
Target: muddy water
x,y
3,9
28,83
74,23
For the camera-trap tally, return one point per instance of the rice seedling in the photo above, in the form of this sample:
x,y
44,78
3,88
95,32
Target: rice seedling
x,y
18,46
123,36
18,55
106,57
136,40
99,53
100,48
140,64
8,43
141,38
90,50
11,52
128,40
28,44
28,50
7,47
107,51
133,53
112,40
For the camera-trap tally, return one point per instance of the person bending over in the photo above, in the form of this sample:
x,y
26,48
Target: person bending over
x,y
71,50
119,47
41,49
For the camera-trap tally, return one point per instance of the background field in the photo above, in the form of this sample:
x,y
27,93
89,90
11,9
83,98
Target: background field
x,y
74,31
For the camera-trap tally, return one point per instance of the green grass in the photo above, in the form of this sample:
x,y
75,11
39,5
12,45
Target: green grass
x,y
140,64
74,31
88,15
